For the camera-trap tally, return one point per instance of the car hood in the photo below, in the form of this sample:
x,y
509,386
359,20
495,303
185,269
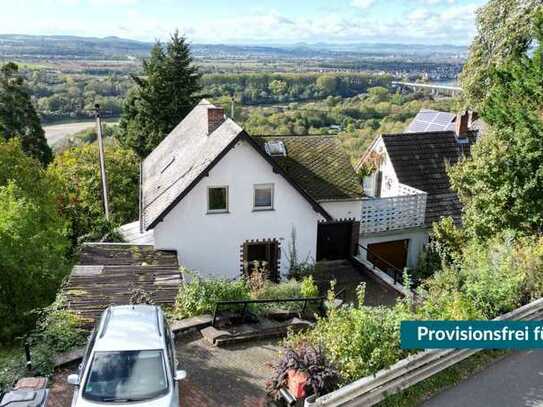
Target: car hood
x,y
167,401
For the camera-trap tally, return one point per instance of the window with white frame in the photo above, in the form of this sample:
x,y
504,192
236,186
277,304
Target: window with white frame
x,y
263,196
217,199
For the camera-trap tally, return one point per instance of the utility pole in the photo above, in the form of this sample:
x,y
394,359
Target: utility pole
x,y
102,161
232,108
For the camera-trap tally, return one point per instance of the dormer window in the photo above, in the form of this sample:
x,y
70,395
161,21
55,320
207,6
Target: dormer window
x,y
275,148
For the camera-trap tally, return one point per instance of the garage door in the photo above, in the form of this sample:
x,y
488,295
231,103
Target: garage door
x,y
394,252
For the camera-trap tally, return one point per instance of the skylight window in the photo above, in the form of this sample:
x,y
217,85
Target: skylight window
x,y
276,148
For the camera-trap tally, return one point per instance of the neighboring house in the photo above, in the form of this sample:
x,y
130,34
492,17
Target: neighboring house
x,y
223,199
408,188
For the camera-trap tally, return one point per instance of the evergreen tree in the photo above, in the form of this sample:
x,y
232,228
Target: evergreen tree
x,y
18,117
501,185
165,94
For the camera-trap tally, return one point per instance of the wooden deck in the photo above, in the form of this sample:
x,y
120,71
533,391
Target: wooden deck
x,y
113,273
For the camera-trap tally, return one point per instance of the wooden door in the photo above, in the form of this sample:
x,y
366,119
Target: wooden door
x,y
334,240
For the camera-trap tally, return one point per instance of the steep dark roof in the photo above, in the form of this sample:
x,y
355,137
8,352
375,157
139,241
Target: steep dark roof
x,y
420,160
188,153
318,165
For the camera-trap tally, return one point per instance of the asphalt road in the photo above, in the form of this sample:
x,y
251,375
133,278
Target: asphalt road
x,y
516,380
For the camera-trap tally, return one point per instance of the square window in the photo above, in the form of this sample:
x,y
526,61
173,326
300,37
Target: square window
x,y
217,199
263,197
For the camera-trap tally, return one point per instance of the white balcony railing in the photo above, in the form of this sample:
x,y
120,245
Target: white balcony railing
x,y
402,211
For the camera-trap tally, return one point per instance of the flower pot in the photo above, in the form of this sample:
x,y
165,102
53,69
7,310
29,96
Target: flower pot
x,y
296,383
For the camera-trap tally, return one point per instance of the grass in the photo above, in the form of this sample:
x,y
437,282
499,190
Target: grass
x,y
450,377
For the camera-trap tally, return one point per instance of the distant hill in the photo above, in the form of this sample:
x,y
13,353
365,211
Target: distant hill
x,y
74,47
67,46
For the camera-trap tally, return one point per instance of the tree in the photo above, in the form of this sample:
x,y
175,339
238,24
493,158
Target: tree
x,y
505,29
501,185
18,117
161,98
278,87
327,84
33,239
78,172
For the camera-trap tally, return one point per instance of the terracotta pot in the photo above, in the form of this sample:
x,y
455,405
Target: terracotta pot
x,y
296,383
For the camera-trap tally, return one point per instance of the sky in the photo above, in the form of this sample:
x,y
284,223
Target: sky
x,y
248,22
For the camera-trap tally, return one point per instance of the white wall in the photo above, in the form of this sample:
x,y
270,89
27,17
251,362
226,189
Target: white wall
x,y
211,243
417,239
343,209
390,183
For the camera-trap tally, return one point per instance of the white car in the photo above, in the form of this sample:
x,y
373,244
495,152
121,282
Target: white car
x,y
130,359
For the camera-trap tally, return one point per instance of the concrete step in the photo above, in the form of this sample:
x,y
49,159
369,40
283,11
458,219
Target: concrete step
x,y
247,332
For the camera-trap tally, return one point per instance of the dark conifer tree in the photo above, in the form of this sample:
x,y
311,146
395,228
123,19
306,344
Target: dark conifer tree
x,y
162,97
18,117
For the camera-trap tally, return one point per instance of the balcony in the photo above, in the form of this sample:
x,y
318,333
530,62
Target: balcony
x,y
402,211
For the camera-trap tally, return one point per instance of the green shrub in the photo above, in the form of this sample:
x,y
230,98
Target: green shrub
x,y
286,289
199,296
58,330
309,287
358,340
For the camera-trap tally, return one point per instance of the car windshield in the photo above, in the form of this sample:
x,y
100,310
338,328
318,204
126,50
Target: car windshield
x,y
126,376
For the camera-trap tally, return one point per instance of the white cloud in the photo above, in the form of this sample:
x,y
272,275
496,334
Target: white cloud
x,y
362,4
443,24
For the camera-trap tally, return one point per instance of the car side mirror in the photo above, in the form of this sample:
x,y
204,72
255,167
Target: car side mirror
x,y
73,379
180,375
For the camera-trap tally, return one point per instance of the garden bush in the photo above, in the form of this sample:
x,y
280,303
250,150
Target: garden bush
x,y
199,295
286,289
58,330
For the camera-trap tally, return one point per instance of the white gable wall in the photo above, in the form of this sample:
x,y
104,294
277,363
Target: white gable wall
x,y
211,243
343,209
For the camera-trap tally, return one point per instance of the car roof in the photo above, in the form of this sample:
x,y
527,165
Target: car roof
x,y
130,327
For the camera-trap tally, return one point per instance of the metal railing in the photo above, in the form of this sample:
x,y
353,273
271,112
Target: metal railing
x,y
245,305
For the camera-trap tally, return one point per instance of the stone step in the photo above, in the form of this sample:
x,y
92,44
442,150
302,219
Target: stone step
x,y
247,332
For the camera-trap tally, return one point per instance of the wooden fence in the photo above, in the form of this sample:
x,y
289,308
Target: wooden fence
x,y
370,390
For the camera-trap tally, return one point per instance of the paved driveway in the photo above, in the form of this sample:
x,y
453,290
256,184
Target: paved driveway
x,y
516,380
232,376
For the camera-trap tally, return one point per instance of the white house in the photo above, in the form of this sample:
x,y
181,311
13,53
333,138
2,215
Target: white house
x,y
222,198
408,188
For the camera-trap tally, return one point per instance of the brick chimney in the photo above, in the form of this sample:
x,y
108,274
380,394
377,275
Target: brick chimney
x,y
461,124
215,117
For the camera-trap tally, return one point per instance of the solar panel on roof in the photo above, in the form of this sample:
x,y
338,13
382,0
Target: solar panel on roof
x,y
431,120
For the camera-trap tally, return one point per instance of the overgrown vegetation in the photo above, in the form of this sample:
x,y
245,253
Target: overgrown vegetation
x,y
58,330
199,295
33,240
488,279
77,171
